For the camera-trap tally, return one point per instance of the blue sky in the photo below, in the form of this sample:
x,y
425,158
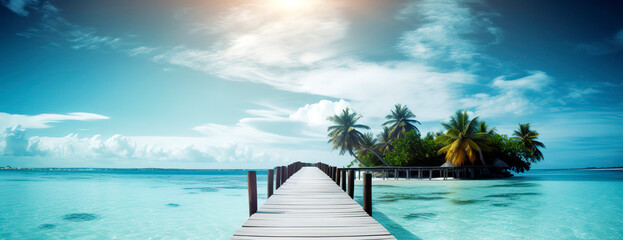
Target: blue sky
x,y
244,84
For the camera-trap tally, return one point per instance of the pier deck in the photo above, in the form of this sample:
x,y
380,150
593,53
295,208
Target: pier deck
x,y
310,205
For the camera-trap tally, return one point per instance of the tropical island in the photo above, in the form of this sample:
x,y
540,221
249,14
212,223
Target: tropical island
x,y
465,142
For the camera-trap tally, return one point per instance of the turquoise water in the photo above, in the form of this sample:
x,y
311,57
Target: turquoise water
x,y
210,204
544,204
128,204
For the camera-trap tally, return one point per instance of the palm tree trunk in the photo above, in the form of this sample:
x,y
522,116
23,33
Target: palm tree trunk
x,y
360,162
482,160
379,156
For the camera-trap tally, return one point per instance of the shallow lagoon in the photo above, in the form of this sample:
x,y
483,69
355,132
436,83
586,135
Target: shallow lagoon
x,y
210,204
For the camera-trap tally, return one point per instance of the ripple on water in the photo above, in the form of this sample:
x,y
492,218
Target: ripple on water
x,y
203,189
47,226
515,184
512,195
403,196
441,193
420,215
465,202
233,187
173,205
500,204
80,217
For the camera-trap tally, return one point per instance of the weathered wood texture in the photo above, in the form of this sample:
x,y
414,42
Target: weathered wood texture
x,y
311,206
269,184
252,185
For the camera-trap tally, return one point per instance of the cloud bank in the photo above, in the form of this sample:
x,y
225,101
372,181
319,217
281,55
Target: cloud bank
x,y
44,120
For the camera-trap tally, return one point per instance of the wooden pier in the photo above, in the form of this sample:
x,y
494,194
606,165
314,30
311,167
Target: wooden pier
x,y
310,205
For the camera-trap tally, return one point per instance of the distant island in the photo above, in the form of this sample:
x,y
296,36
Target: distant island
x,y
465,141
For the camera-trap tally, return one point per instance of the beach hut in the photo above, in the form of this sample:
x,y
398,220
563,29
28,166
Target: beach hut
x,y
498,163
447,164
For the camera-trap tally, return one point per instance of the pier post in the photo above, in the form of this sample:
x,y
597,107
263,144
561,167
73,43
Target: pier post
x,y
367,193
430,174
334,173
252,184
278,178
344,180
396,174
338,175
351,183
269,192
284,169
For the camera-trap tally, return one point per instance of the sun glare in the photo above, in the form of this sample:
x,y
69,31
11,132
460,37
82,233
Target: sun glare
x,y
289,4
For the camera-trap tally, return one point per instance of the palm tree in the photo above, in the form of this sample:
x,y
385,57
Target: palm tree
x,y
368,144
483,127
385,141
344,134
463,140
401,120
528,138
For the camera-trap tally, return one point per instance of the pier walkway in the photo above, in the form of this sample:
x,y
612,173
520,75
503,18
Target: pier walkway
x,y
310,205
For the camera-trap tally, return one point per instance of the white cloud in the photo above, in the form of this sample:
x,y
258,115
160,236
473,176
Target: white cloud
x,y
89,39
373,89
536,81
303,52
316,114
242,133
443,34
265,33
140,50
44,120
512,96
19,6
579,93
15,142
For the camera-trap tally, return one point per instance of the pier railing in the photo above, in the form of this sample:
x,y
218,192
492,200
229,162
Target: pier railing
x,y
421,172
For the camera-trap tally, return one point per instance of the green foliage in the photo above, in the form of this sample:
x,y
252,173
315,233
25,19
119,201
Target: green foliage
x,y
344,134
400,121
370,159
411,151
511,151
462,140
529,138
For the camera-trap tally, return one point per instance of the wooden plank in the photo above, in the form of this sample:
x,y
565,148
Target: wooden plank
x,y
310,205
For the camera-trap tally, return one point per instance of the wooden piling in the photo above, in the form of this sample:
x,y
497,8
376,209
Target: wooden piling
x,y
283,174
337,176
351,183
367,193
252,184
344,180
269,186
278,178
